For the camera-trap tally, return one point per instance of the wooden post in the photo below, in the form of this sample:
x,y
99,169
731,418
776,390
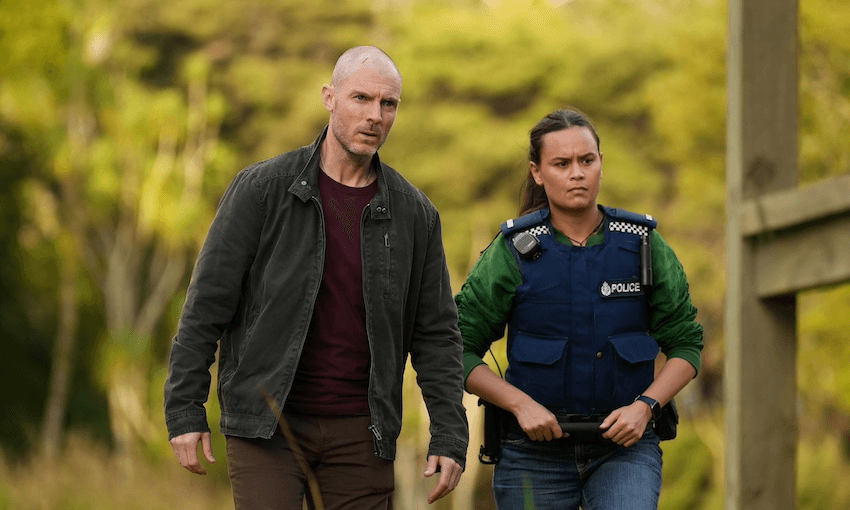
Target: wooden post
x,y
760,378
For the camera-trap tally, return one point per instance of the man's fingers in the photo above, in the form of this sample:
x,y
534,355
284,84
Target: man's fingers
x,y
186,450
439,491
450,472
431,467
448,481
206,446
189,460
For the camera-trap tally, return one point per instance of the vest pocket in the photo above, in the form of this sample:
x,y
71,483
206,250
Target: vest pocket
x,y
537,366
634,365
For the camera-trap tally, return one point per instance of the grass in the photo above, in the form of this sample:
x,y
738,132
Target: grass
x,y
87,476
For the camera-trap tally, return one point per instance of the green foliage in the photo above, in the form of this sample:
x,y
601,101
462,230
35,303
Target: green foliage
x,y
823,377
824,90
27,351
823,465
688,470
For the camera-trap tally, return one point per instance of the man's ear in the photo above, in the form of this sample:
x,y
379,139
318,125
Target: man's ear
x,y
328,97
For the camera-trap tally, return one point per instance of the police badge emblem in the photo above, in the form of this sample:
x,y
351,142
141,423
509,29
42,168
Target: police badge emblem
x,y
622,288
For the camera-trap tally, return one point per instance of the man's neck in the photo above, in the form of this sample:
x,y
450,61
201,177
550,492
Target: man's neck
x,y
345,168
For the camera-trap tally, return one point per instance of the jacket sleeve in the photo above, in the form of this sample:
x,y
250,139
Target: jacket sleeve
x,y
673,318
436,351
485,301
211,302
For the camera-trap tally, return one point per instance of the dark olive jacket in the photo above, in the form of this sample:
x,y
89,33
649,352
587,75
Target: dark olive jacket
x,y
255,284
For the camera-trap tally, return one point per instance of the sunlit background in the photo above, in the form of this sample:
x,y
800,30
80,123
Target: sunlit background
x,y
122,122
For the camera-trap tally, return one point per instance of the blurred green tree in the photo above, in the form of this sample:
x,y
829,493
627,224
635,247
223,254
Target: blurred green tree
x,y
122,193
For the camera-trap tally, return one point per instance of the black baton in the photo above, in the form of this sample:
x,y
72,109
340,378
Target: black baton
x,y
573,427
645,261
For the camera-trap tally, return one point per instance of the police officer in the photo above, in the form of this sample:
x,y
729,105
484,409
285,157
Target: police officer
x,y
589,294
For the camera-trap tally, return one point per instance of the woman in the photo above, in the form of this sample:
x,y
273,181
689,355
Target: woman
x,y
585,324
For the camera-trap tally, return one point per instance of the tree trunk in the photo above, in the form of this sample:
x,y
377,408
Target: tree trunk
x,y
63,357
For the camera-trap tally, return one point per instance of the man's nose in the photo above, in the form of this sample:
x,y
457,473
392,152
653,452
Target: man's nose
x,y
373,111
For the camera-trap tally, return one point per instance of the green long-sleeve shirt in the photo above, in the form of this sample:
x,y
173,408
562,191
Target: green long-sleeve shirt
x,y
486,298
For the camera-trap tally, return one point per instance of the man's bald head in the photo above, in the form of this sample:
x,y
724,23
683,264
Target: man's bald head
x,y
359,57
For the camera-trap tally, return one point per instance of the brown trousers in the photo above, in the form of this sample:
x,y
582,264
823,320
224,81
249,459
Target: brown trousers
x,y
269,474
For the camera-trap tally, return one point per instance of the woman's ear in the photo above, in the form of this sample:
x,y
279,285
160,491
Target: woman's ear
x,y
535,173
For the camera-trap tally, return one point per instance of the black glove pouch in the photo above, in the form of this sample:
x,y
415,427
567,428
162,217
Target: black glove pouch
x,y
666,424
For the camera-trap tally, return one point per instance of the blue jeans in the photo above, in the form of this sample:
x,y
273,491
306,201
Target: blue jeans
x,y
562,475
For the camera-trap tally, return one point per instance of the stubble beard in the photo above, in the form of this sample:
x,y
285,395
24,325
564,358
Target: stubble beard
x,y
359,151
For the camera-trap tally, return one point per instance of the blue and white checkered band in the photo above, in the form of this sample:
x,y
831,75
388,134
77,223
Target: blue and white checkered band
x,y
629,228
538,230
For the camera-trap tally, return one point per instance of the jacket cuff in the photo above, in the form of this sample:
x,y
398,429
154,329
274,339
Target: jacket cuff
x,y
185,422
448,447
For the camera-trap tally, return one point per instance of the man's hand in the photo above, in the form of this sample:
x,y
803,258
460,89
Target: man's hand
x,y
185,448
450,472
626,425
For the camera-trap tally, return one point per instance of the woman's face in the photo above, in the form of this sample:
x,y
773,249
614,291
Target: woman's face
x,y
570,169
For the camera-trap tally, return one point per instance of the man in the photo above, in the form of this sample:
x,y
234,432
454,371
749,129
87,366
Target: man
x,y
322,270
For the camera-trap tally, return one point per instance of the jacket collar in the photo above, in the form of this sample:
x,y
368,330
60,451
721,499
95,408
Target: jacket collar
x,y
306,184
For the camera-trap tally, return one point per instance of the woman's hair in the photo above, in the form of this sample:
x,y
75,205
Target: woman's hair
x,y
534,196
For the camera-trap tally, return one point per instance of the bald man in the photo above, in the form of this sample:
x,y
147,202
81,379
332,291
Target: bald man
x,y
321,272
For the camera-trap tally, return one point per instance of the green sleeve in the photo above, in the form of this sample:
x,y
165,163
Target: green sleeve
x,y
673,316
485,301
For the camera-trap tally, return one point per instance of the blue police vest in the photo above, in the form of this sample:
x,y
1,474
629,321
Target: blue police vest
x,y
577,335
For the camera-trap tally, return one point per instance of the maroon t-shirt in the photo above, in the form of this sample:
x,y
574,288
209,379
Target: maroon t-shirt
x,y
333,373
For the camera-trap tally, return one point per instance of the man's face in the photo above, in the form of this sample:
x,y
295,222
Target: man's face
x,y
363,108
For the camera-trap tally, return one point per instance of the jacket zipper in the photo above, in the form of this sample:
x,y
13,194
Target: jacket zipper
x,y
374,426
318,205
387,265
376,432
